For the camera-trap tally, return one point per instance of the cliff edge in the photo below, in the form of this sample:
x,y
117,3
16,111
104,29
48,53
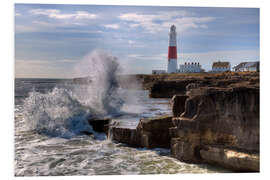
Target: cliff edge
x,y
215,120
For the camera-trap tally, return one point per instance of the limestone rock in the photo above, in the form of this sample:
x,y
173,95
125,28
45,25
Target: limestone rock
x,y
154,132
232,159
179,84
100,125
126,135
167,89
227,117
150,133
178,104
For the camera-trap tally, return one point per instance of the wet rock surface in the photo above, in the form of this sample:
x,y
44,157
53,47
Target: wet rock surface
x,y
100,125
126,135
150,133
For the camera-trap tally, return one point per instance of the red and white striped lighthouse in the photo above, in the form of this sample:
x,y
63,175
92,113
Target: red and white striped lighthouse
x,y
172,51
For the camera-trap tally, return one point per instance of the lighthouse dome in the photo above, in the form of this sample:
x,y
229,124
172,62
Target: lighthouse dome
x,y
173,28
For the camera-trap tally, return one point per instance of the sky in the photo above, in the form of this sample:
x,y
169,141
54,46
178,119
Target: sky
x,y
51,39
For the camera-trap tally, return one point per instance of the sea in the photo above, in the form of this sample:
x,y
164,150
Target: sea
x,y
51,114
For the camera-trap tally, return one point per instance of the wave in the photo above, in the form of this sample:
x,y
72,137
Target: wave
x,y
65,111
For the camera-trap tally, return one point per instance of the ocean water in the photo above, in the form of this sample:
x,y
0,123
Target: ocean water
x,y
51,124
49,119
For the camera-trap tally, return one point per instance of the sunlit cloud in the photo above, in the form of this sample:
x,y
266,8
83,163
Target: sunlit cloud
x,y
112,26
154,23
57,14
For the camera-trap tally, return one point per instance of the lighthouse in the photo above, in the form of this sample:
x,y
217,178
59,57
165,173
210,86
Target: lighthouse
x,y
172,51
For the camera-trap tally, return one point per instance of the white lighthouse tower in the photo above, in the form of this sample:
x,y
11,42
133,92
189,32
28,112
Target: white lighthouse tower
x,y
172,51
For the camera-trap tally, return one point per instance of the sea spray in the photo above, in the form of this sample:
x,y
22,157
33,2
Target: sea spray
x,y
110,129
64,111
102,70
55,113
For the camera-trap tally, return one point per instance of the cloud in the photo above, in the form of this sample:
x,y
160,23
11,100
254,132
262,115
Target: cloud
x,y
59,20
154,23
66,61
58,24
147,57
30,68
24,28
135,44
57,14
43,68
204,26
85,15
112,26
134,55
134,25
239,55
32,62
131,42
205,58
233,55
43,62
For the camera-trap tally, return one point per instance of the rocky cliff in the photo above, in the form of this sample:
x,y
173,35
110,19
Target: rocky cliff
x,y
215,120
179,84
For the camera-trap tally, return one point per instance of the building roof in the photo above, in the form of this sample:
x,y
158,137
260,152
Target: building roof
x,y
247,65
241,65
252,64
220,64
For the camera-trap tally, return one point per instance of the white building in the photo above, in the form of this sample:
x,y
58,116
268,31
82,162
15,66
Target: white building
x,y
247,66
190,68
159,72
221,66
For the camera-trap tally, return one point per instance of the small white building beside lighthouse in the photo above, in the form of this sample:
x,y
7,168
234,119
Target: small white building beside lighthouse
x,y
193,67
172,51
221,66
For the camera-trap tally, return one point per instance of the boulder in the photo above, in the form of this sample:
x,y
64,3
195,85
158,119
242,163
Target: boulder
x,y
150,133
100,125
154,132
125,135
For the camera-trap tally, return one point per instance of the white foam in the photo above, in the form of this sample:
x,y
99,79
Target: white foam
x,y
64,112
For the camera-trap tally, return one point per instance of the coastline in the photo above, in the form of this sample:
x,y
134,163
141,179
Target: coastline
x,y
215,119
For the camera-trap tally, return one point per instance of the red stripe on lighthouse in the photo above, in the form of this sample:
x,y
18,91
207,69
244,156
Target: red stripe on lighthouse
x,y
172,52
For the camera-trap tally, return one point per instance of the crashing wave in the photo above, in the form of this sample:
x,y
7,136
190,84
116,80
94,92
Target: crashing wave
x,y
64,111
